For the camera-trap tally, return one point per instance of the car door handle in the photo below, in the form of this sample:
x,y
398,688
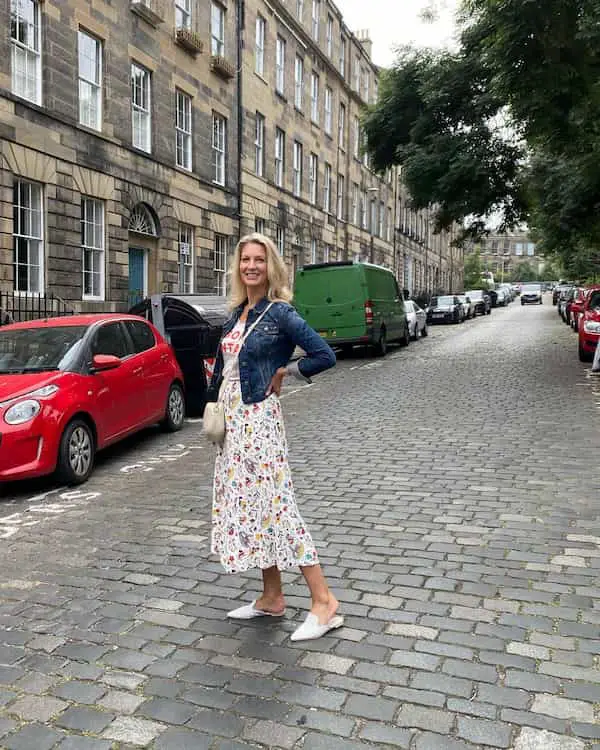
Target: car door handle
x,y
164,357
138,370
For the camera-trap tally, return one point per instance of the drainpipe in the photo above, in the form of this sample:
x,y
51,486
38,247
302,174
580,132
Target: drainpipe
x,y
239,25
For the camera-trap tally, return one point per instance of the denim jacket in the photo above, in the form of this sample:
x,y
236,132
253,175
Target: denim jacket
x,y
269,347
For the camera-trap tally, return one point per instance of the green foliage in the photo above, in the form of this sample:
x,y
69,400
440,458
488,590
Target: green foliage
x,y
473,269
523,271
507,126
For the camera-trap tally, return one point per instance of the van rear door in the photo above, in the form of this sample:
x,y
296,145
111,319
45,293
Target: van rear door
x,y
331,298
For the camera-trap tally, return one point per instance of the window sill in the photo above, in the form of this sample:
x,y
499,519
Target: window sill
x,y
281,95
299,111
139,150
89,298
185,170
261,77
220,184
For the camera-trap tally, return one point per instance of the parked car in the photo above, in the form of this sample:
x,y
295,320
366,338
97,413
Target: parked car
x,y
70,386
493,295
589,325
481,301
576,307
467,305
563,299
503,297
352,303
445,309
531,294
417,319
509,290
192,324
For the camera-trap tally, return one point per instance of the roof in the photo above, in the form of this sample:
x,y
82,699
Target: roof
x,y
70,320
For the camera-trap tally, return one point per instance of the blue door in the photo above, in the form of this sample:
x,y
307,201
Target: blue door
x,y
137,275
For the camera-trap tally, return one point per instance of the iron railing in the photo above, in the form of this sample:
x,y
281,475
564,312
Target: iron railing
x,y
15,307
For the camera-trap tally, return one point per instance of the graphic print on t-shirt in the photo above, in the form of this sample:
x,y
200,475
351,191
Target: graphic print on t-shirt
x,y
231,342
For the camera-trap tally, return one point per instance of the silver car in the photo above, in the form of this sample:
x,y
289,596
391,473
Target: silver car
x,y
417,319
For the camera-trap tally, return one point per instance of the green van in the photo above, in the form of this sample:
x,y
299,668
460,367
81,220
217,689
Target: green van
x,y
352,303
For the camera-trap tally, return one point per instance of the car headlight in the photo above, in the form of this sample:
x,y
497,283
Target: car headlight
x,y
591,326
22,412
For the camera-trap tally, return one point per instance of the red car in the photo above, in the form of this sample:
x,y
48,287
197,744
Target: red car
x,y
71,386
589,325
575,307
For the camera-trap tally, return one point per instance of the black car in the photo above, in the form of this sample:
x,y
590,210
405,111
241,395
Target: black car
x,y
446,308
192,324
482,304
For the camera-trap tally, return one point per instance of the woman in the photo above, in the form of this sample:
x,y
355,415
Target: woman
x,y
256,523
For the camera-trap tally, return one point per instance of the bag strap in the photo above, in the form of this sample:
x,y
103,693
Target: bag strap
x,y
242,342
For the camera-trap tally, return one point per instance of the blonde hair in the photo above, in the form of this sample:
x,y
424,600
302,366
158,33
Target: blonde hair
x,y
277,275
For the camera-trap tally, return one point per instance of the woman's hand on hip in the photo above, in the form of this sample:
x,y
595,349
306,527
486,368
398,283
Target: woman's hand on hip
x,y
277,382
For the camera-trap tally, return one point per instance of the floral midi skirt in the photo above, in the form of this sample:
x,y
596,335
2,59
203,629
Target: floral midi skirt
x,y
255,520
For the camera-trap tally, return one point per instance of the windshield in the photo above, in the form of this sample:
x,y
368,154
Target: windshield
x,y
442,301
474,295
39,349
531,288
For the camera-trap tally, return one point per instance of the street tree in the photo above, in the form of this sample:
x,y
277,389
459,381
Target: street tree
x,y
472,270
508,125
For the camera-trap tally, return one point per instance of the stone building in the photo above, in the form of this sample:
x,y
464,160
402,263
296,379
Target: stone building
x,y
502,253
140,138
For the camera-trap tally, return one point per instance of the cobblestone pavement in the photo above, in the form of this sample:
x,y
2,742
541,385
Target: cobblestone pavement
x,y
453,490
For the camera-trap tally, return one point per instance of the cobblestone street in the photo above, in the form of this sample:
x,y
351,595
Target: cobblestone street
x,y
453,490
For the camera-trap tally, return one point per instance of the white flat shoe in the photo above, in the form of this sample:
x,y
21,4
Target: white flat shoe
x,y
312,629
249,612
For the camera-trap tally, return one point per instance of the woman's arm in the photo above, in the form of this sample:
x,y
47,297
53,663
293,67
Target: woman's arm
x,y
319,355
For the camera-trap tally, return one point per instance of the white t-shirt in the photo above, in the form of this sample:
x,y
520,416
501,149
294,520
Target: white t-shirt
x,y
230,346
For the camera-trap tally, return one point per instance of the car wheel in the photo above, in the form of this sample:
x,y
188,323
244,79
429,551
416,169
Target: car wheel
x,y
175,409
405,340
424,332
76,452
584,356
488,311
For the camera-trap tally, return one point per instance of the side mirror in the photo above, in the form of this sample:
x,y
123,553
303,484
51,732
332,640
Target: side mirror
x,y
103,362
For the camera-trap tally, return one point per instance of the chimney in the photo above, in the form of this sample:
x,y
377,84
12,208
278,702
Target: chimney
x,y
364,37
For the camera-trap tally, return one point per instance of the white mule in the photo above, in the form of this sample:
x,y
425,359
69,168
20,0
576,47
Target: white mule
x,y
312,629
249,612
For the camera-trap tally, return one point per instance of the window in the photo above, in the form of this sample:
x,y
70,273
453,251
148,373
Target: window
x,y
219,144
280,65
92,248
299,84
259,52
313,249
183,14
327,253
330,36
109,339
140,107
343,56
381,220
373,218
316,17
314,97
185,242
327,189
328,112
280,240
366,84
356,138
141,335
260,225
530,248
364,210
259,145
28,237
356,83
217,30
220,264
355,203
183,130
279,157
90,81
313,178
26,60
299,9
389,228
342,127
519,248
297,167
340,196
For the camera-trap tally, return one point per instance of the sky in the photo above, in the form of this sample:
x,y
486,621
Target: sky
x,y
393,22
